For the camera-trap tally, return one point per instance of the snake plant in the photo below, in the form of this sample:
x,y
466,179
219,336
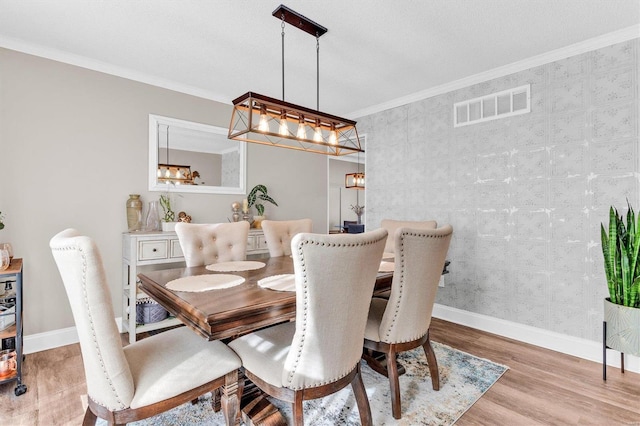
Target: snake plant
x,y
259,192
620,249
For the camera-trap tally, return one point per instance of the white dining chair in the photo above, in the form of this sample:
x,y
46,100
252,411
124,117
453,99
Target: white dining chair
x,y
208,243
391,225
401,323
320,352
149,376
278,234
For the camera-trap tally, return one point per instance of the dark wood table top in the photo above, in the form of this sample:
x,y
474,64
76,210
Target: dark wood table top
x,y
218,314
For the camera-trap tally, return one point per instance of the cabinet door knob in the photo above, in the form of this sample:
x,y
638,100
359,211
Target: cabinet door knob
x,y
155,250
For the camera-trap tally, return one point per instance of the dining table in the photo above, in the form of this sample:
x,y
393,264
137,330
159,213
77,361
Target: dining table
x,y
226,313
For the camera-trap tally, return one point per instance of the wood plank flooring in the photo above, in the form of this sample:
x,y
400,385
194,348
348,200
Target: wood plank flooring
x,y
542,387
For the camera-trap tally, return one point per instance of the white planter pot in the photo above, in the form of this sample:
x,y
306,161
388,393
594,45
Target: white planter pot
x,y
623,328
168,226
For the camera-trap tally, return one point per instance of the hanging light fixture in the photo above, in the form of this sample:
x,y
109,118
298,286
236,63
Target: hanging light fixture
x,y
354,180
264,120
172,173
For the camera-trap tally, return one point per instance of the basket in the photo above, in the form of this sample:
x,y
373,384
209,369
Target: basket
x,y
149,311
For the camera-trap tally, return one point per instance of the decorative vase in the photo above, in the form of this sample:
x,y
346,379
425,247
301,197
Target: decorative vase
x,y
134,212
622,327
153,217
257,221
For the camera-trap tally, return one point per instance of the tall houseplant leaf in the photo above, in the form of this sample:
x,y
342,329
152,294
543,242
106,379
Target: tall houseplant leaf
x,y
621,252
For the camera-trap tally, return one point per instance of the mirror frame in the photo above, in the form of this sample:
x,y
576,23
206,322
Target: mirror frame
x,y
154,185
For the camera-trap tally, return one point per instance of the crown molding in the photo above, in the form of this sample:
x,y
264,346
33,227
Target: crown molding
x,y
599,42
103,67
622,35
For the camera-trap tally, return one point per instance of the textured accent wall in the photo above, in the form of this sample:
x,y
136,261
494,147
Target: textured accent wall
x,y
526,194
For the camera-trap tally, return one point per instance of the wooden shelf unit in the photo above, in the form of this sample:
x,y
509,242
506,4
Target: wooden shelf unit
x,y
13,274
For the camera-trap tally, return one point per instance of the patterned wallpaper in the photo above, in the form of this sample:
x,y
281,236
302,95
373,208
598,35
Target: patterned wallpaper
x,y
525,194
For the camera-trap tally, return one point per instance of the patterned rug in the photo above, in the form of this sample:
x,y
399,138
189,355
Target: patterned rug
x,y
464,378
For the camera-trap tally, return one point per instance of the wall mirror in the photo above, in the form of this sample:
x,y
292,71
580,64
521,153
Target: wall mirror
x,y
194,157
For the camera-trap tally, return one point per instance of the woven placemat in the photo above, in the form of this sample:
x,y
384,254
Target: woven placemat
x,y
284,282
235,266
205,282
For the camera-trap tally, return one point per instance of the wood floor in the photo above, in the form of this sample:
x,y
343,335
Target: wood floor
x,y
541,387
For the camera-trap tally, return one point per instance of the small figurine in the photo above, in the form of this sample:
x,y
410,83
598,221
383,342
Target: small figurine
x,y
183,217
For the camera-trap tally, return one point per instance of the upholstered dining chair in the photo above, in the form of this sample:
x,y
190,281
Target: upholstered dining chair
x,y
401,323
278,234
391,225
207,243
149,376
319,353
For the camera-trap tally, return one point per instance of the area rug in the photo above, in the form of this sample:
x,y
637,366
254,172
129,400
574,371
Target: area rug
x,y
464,378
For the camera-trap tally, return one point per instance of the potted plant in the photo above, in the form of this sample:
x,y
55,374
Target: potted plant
x,y
620,249
168,223
259,192
1,221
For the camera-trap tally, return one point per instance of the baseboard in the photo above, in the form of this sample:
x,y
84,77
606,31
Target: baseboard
x,y
53,339
581,348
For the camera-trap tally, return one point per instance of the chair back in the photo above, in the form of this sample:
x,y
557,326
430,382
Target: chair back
x,y
109,379
278,234
335,275
419,261
392,225
207,243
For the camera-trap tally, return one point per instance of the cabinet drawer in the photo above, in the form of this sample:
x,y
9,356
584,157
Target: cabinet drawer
x,y
251,243
152,250
176,249
260,242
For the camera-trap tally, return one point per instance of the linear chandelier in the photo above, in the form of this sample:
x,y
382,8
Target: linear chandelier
x,y
264,120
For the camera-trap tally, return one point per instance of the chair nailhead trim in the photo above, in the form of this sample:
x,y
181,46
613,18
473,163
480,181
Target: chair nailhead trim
x,y
93,333
305,294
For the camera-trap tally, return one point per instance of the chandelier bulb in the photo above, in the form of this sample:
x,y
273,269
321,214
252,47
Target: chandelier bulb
x,y
284,129
302,133
317,133
264,120
333,137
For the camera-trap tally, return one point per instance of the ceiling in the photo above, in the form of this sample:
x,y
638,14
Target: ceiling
x,y
375,52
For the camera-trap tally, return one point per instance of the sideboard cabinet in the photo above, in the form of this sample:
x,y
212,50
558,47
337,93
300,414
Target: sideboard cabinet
x,y
146,251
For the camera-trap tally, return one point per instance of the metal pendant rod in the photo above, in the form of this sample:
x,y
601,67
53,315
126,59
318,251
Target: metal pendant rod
x,y
318,72
283,57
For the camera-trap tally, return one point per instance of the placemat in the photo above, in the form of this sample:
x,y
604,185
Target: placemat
x,y
284,282
205,282
235,266
386,266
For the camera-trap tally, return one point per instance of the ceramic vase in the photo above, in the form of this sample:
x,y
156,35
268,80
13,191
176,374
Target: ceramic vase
x,y
134,213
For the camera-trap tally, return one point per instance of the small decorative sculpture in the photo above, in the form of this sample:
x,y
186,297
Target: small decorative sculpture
x,y
235,206
183,217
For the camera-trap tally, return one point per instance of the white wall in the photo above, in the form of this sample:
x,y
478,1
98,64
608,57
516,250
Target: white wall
x,y
74,144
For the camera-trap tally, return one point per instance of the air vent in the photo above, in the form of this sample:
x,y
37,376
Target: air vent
x,y
491,107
